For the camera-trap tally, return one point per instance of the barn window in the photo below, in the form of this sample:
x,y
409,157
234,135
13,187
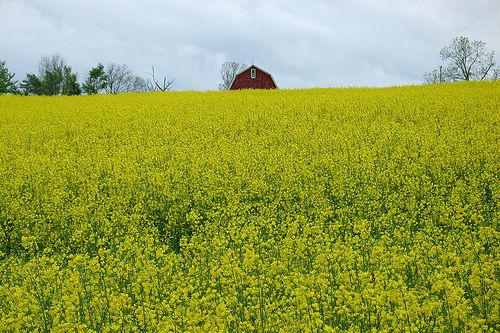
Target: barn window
x,y
253,73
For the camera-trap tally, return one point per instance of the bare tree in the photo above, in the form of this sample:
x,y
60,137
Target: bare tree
x,y
438,75
137,84
467,60
50,71
52,63
228,72
119,78
434,76
155,85
496,74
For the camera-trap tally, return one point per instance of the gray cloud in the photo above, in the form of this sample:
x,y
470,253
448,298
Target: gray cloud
x,y
302,43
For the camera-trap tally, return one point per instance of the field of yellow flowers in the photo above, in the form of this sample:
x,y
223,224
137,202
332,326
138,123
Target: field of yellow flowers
x,y
320,210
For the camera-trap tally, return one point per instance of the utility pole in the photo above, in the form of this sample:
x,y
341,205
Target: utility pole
x,y
440,74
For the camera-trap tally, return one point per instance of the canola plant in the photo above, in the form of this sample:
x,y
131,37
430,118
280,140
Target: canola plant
x,y
320,210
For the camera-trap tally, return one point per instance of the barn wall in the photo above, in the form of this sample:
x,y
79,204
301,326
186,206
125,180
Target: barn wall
x,y
261,81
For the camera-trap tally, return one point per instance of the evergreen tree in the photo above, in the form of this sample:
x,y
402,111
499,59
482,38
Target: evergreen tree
x,y
96,81
7,83
31,85
70,85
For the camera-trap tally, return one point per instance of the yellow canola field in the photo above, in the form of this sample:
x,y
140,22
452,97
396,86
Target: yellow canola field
x,y
319,210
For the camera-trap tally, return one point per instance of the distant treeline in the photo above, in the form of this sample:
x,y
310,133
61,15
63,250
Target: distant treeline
x,y
463,60
56,77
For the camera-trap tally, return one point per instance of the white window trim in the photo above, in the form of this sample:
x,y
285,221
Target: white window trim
x,y
253,73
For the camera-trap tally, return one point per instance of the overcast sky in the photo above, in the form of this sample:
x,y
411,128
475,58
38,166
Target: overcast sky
x,y
313,43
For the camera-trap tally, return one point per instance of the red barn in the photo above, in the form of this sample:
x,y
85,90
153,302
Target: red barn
x,y
253,78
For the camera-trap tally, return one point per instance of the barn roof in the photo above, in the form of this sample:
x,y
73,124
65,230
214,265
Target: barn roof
x,y
254,66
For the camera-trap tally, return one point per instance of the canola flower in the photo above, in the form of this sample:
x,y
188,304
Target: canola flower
x,y
320,210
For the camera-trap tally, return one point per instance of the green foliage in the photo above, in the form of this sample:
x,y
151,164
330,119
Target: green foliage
x,y
31,85
70,85
96,80
7,83
55,78
51,74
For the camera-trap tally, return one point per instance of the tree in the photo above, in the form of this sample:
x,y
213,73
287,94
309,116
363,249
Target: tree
x,y
466,60
7,83
50,71
434,76
31,85
438,75
96,81
54,78
119,78
155,85
228,72
70,85
496,74
137,84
